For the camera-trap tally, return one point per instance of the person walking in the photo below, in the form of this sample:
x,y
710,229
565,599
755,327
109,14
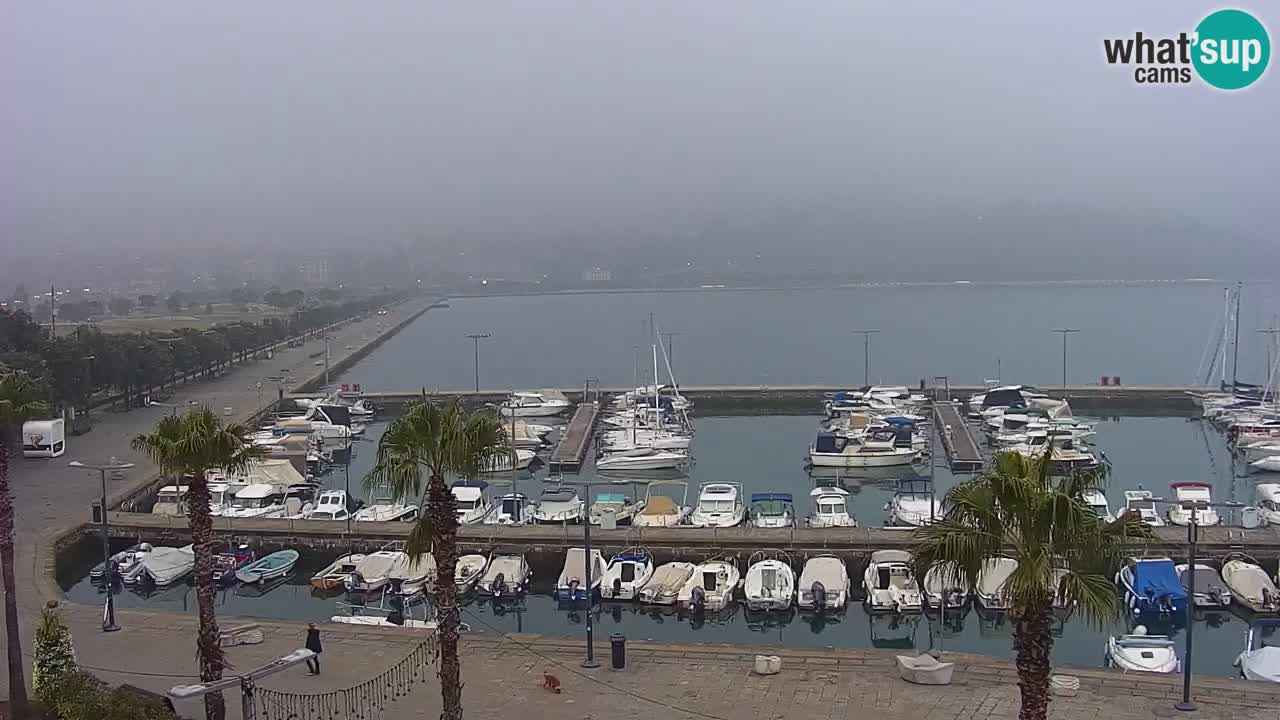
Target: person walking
x,y
313,644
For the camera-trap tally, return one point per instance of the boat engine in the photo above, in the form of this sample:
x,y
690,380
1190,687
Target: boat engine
x,y
954,597
617,588
698,599
818,592
498,586
354,580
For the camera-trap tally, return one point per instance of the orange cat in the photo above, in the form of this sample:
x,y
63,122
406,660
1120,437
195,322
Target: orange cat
x,y
551,682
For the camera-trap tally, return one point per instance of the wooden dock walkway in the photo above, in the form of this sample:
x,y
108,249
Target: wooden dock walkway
x,y
962,450
571,451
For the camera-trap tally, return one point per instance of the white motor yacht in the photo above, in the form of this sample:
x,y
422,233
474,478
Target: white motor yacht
x,y
990,591
914,504
528,403
875,449
1097,502
719,505
469,499
664,587
824,584
1143,503
506,576
772,510
711,586
511,509
643,459
769,584
257,500
890,584
664,504
626,574
330,505
1191,493
558,506
831,508
171,500
502,462
1141,652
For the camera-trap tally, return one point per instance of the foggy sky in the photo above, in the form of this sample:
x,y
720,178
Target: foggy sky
x,y
313,121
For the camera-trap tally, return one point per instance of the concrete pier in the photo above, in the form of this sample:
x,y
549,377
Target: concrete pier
x,y
957,439
571,451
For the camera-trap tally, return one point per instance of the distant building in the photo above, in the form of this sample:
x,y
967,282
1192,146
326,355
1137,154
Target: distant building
x,y
315,271
596,275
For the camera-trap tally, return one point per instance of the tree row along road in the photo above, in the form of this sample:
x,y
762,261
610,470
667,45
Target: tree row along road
x,y
50,495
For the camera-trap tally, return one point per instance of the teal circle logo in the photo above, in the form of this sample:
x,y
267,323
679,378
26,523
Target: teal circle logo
x,y
1231,49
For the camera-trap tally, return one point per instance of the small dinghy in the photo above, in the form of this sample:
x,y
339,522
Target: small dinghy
x,y
628,571
1151,587
372,572
1211,591
710,587
124,561
992,577
227,562
1260,661
333,576
468,571
572,586
1141,652
824,584
277,564
164,566
890,584
770,583
664,587
1249,584
507,576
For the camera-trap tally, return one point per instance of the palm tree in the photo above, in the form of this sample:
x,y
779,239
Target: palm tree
x,y
1017,509
190,445
19,401
443,440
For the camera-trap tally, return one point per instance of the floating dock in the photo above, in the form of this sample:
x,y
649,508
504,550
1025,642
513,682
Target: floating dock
x,y
571,451
957,439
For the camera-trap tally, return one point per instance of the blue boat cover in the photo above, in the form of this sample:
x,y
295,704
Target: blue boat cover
x,y
899,421
840,396
470,483
826,443
766,497
1157,578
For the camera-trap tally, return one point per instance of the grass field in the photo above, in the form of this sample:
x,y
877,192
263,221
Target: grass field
x,y
137,322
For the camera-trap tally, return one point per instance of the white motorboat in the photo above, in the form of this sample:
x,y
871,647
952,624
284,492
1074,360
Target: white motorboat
x,y
392,611
824,584
1097,502
330,505
528,403
558,506
221,495
914,504
831,508
770,583
335,575
511,509
1141,652
469,499
875,449
719,505
373,572
626,574
468,571
990,591
1189,493
1269,502
1260,661
1267,464
163,566
711,586
386,510
501,462
643,459
573,587
1255,451
257,500
772,510
890,583
123,561
622,508
662,507
1152,587
620,440
524,435
664,587
409,575
171,500
506,576
1249,584
1143,503
945,589
1211,592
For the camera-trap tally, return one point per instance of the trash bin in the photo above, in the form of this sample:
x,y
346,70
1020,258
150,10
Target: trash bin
x,y
1250,518
618,651
97,512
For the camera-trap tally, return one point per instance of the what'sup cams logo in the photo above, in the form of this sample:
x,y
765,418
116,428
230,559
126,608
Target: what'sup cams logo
x,y
1228,50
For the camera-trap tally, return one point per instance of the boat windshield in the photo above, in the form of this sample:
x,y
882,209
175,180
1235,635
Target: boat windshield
x,y
171,497
830,507
464,505
770,508
717,506
323,515
240,502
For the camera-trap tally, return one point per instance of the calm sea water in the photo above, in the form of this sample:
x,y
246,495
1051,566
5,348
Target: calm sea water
x,y
767,454
1148,334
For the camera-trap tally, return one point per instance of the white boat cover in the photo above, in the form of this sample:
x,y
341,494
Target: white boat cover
x,y
668,578
275,471
1247,580
1261,664
378,565
512,568
829,571
993,575
166,564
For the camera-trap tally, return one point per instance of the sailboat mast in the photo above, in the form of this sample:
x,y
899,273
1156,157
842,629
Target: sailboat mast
x,y
1222,348
1235,344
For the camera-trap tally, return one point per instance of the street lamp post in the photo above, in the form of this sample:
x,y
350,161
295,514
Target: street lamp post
x,y
475,341
586,485
109,620
866,353
1065,332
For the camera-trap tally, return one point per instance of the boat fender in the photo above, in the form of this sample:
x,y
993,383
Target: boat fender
x,y
698,599
819,593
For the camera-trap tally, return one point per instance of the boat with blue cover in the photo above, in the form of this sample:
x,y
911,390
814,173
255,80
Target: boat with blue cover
x,y
277,564
1152,587
773,510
